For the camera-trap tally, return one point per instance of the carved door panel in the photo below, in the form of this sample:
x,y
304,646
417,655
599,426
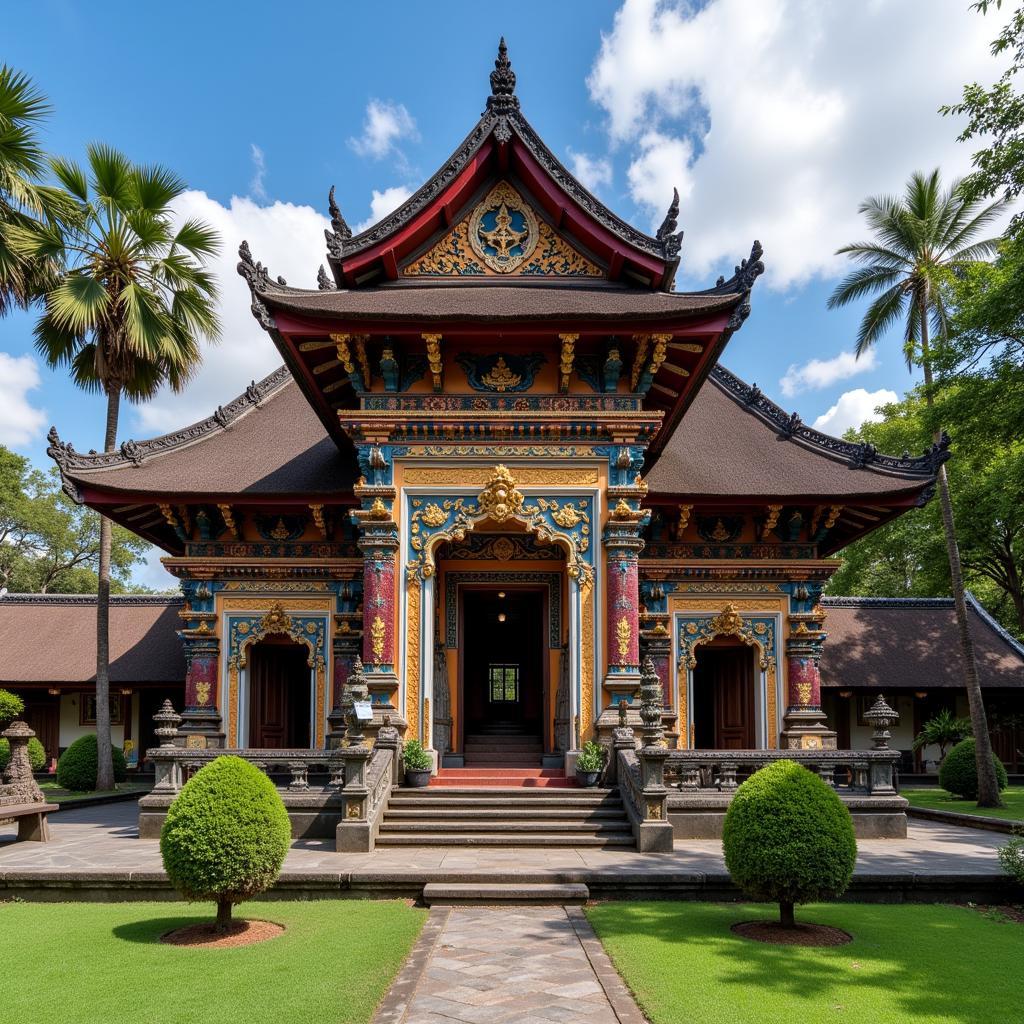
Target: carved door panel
x,y
278,696
734,699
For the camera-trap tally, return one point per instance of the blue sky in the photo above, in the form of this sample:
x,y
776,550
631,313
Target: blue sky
x,y
774,118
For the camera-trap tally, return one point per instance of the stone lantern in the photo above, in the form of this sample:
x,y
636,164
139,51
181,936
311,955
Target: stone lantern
x,y
881,716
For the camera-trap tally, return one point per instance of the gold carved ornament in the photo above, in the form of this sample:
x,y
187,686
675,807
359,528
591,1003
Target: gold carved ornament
x,y
624,636
500,377
433,515
567,359
433,342
202,692
378,633
277,620
500,500
568,516
504,247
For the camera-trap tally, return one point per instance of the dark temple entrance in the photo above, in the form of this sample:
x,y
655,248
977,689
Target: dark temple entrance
x,y
723,697
279,694
503,676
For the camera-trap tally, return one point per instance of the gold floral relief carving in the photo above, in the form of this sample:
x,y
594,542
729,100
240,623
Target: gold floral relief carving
x,y
292,604
378,633
232,738
321,688
412,658
586,658
434,515
284,587
623,636
773,715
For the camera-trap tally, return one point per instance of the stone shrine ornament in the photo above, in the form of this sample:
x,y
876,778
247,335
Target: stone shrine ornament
x,y
19,785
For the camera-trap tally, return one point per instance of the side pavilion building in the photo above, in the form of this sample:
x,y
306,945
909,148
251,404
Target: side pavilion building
x,y
501,464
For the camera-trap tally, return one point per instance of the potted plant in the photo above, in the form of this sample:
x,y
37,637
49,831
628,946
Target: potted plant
x,y
417,763
590,764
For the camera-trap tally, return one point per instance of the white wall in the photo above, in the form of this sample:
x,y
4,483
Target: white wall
x,y
70,730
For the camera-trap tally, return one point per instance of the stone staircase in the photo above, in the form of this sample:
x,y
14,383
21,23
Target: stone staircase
x,y
505,816
509,748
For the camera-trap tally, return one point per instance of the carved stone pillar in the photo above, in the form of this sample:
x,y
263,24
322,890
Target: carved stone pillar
x,y
622,545
806,727
201,724
346,645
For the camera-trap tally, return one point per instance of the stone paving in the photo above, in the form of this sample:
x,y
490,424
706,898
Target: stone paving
x,y
104,839
529,965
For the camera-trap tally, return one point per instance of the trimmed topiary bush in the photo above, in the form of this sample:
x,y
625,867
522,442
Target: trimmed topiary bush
x,y
788,838
77,766
11,707
226,835
958,773
36,754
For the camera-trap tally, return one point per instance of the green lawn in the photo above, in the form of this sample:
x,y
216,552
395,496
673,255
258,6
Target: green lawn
x,y
907,964
939,800
79,963
56,795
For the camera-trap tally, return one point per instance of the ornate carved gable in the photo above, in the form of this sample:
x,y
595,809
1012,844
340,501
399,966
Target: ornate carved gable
x,y
502,235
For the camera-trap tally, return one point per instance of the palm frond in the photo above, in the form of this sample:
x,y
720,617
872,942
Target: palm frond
x,y
860,283
880,316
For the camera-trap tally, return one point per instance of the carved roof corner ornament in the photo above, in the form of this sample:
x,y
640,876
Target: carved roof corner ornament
x,y
500,499
503,83
257,277
671,240
323,280
339,232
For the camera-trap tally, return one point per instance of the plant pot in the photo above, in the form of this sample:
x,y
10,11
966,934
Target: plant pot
x,y
417,778
587,779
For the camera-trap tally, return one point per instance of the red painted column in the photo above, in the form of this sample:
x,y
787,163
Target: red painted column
x,y
623,627
379,611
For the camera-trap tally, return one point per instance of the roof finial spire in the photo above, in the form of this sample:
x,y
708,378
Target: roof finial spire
x,y
503,83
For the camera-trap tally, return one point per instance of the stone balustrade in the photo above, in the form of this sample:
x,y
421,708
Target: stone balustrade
x,y
864,772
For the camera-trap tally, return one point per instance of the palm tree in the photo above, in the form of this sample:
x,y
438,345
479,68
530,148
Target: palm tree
x,y
126,313
919,239
23,196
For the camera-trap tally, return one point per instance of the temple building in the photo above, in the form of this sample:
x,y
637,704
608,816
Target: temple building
x,y
501,464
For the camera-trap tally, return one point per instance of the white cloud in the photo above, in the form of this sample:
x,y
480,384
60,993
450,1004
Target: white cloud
x,y
854,408
382,203
386,123
259,172
593,172
290,239
823,373
20,421
783,114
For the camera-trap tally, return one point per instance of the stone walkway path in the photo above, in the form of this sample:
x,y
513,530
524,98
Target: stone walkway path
x,y
522,965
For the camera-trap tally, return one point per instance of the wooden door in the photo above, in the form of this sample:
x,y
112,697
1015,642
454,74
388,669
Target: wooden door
x,y
42,714
734,698
278,696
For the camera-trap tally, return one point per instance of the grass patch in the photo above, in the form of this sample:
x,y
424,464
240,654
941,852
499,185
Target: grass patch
x,y
78,963
57,795
939,800
925,964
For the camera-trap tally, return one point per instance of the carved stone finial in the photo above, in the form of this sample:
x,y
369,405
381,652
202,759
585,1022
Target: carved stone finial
x,y
651,705
19,785
338,223
167,722
881,716
503,83
357,690
323,280
671,241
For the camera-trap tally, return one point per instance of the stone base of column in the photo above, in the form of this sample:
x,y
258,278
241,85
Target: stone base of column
x,y
619,686
807,729
200,729
383,687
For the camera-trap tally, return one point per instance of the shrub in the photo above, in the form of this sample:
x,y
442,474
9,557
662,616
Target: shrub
x,y
77,766
11,707
958,773
591,758
415,758
1011,856
226,835
788,838
36,754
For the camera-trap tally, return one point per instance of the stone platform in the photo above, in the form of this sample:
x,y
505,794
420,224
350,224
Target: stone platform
x,y
95,854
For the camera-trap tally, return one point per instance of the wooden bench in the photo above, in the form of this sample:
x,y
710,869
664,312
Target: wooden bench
x,y
32,824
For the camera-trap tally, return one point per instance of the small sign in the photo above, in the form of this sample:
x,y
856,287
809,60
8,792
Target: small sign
x,y
364,710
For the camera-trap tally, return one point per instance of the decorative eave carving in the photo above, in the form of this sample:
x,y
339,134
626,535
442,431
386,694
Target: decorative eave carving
x,y
134,453
503,83
340,232
857,456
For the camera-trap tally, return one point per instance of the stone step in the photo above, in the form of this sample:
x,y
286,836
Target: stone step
x,y
503,797
516,812
518,747
467,894
502,739
504,839
504,827
519,773
501,758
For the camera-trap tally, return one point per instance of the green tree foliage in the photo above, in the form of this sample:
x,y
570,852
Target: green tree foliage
x,y
11,707
24,198
788,838
48,544
941,730
78,765
958,773
131,303
907,557
996,115
226,835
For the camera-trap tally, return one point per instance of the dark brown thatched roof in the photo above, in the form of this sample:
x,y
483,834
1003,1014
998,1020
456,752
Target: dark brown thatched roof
x,y
495,303
725,447
51,639
277,446
912,644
